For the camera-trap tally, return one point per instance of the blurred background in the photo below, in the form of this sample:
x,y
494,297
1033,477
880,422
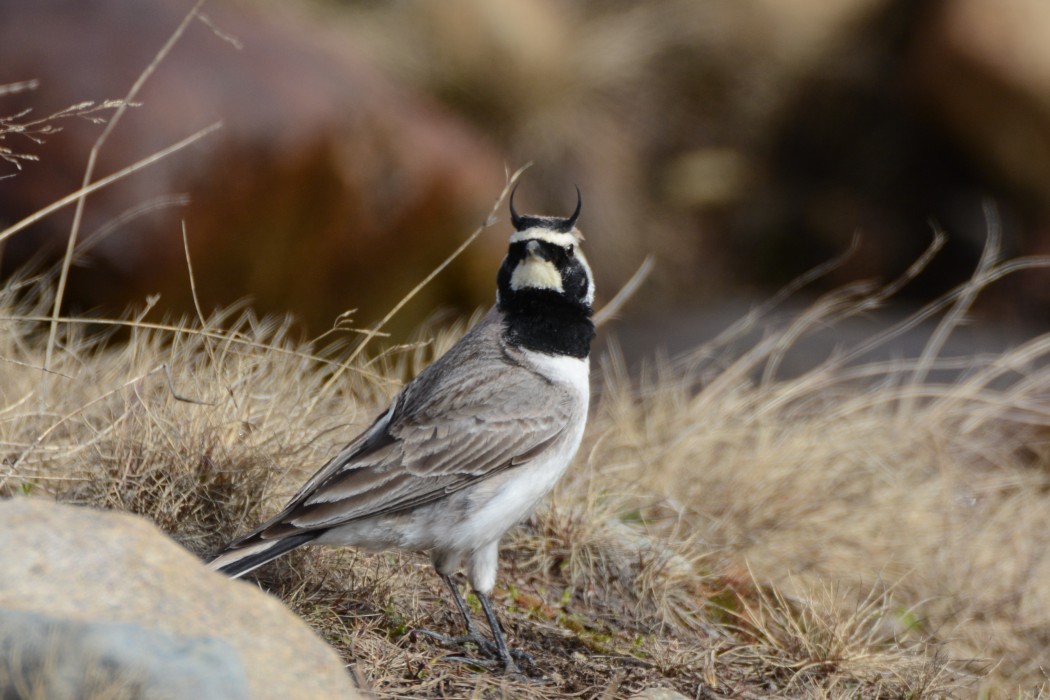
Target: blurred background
x,y
740,142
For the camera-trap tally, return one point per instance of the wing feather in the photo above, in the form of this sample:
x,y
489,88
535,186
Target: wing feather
x,y
468,416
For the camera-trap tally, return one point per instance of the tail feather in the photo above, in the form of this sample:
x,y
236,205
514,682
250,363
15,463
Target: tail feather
x,y
240,559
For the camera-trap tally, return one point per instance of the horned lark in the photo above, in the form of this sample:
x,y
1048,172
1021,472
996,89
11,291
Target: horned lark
x,y
470,445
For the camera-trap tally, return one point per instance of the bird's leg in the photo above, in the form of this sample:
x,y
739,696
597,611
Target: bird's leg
x,y
473,635
509,666
498,651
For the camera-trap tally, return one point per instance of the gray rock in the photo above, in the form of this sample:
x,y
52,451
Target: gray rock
x,y
69,659
77,565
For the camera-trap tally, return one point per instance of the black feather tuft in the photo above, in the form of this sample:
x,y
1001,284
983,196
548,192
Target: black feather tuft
x,y
252,561
554,223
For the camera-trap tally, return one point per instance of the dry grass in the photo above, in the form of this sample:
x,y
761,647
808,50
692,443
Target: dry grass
x,y
34,130
861,530
857,531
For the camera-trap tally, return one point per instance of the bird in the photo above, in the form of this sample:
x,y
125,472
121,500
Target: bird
x,y
469,447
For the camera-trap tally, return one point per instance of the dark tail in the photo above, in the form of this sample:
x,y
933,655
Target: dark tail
x,y
241,557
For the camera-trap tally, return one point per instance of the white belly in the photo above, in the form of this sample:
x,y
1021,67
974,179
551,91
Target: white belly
x,y
505,500
478,516
469,519
501,502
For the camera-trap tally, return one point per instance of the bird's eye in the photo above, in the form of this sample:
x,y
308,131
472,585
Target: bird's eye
x,y
570,251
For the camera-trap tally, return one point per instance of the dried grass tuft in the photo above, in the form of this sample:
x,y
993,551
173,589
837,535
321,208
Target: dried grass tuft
x,y
35,130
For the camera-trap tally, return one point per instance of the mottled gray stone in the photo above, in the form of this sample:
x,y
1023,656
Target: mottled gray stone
x,y
77,564
70,659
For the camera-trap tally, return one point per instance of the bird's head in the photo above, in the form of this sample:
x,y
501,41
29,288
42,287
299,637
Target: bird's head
x,y
544,267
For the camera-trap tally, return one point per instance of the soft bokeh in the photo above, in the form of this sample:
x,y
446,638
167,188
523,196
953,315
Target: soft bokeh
x,y
741,143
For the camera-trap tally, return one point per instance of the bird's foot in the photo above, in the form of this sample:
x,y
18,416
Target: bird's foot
x,y
485,647
512,672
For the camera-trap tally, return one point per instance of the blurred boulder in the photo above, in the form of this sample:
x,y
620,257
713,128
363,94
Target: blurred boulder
x,y
985,72
742,143
856,149
328,187
44,657
112,586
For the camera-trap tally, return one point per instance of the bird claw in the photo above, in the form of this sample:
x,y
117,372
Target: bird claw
x,y
521,657
487,664
513,672
486,648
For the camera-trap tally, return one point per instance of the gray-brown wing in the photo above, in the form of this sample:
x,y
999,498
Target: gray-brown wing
x,y
442,435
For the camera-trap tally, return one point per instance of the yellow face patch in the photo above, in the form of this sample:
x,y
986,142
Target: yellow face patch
x,y
535,273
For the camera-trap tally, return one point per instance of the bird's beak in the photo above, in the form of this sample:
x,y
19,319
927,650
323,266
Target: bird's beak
x,y
535,251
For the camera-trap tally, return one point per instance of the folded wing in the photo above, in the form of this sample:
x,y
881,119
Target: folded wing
x,y
447,430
